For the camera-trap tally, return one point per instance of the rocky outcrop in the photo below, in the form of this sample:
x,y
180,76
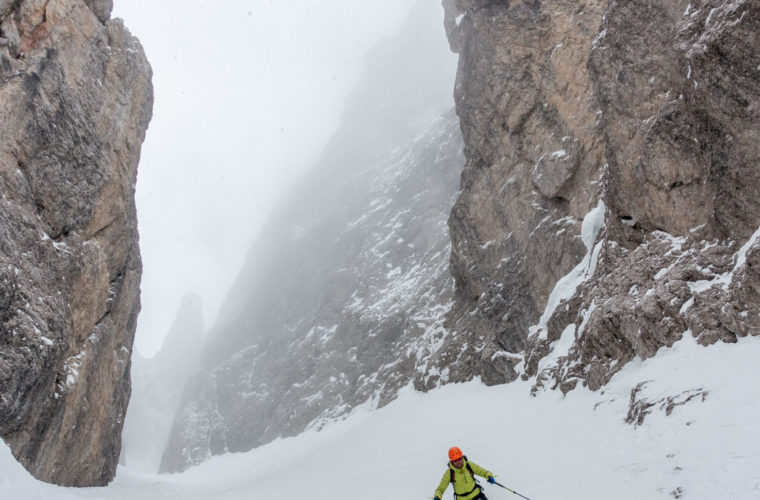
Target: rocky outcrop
x,y
535,165
75,101
643,112
681,127
344,295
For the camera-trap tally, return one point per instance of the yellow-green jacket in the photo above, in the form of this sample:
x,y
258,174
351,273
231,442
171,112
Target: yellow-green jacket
x,y
464,483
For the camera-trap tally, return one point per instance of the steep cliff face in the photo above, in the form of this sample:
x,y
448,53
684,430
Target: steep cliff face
x,y
681,127
346,290
535,162
75,101
643,112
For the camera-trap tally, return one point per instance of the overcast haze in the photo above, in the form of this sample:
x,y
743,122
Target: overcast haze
x,y
246,94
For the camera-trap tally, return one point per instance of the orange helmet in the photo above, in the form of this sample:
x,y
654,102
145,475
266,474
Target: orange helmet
x,y
455,453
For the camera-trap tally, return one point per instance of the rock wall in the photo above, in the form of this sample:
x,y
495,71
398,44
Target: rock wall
x,y
681,125
75,101
650,108
535,165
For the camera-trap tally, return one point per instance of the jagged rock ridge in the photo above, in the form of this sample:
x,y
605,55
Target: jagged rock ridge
x,y
75,101
345,294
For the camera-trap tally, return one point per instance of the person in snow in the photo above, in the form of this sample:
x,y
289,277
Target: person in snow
x,y
461,474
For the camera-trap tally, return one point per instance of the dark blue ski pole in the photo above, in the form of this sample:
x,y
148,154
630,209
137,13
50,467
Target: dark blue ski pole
x,y
513,491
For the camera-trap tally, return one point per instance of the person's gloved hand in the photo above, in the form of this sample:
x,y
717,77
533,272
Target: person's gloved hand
x,y
491,479
436,498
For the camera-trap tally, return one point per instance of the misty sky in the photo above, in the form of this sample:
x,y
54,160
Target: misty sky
x,y
246,94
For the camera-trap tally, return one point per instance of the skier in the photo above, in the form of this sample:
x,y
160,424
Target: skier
x,y
461,473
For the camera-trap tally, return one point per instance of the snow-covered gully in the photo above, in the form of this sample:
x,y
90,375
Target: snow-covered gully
x,y
548,447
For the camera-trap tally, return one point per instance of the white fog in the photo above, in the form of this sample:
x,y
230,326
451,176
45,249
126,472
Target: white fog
x,y
247,92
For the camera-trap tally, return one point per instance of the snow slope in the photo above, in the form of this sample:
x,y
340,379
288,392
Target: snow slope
x,y
546,447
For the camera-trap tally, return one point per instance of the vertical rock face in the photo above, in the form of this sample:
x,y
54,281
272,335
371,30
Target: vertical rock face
x,y
75,101
651,108
345,293
535,160
681,122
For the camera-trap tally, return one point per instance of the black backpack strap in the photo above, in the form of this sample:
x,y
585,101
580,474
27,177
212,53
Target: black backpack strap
x,y
469,469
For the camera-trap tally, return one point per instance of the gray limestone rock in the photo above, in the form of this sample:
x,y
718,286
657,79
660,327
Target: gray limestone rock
x,y
75,101
681,126
535,162
651,107
101,8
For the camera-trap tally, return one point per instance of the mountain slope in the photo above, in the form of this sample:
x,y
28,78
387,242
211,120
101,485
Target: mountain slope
x,y
547,447
344,295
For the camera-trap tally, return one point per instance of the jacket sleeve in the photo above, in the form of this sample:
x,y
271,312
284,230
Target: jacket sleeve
x,y
443,484
480,471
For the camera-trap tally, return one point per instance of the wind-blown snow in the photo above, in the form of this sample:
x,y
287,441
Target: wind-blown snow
x,y
548,447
